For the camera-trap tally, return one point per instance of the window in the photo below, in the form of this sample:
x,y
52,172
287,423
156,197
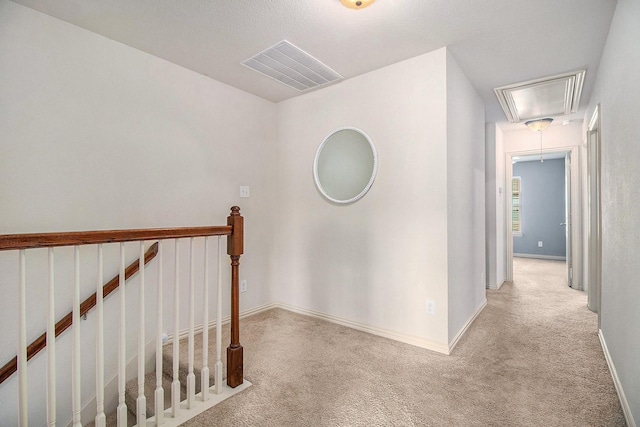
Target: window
x,y
516,206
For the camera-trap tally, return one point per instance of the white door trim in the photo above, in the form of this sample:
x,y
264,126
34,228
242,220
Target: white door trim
x,y
568,167
576,225
594,214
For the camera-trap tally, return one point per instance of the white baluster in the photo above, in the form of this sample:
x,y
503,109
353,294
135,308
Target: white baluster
x,y
51,348
218,369
204,377
75,358
159,393
101,419
175,385
22,342
122,406
141,401
191,378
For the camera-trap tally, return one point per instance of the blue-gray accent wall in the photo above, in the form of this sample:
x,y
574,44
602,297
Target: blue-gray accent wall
x,y
543,208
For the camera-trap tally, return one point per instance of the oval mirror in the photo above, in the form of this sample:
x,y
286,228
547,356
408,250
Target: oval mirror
x,y
345,165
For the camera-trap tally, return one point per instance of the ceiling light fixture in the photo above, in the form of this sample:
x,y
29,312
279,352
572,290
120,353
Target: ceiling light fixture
x,y
356,4
539,125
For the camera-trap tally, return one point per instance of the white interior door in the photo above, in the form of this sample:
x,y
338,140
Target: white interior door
x,y
568,223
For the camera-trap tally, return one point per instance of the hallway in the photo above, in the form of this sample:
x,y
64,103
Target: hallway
x,y
531,358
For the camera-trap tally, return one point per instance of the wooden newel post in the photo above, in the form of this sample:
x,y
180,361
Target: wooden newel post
x,y
235,248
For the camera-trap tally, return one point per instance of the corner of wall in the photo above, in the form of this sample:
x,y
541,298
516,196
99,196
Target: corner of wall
x,y
466,179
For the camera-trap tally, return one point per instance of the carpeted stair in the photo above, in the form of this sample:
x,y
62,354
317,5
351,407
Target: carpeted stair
x,y
131,388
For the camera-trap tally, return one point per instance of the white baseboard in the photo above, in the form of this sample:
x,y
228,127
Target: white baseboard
x,y
199,406
616,381
464,328
495,286
535,256
397,336
226,319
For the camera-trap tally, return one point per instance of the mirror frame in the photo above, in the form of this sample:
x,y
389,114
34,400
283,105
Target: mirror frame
x,y
373,172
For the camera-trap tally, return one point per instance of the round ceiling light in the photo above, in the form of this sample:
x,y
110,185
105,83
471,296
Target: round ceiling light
x,y
539,124
356,4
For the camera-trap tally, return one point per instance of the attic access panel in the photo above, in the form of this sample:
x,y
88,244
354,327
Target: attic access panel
x,y
550,96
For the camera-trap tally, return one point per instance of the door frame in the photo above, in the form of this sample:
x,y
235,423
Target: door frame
x,y
568,167
576,224
594,214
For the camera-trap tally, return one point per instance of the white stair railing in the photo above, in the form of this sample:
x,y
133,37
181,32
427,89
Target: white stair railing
x,y
101,418
51,346
122,341
179,411
218,368
204,373
191,378
159,392
76,389
23,397
141,401
175,385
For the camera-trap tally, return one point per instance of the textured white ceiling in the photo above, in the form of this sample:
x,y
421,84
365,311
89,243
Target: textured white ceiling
x,y
496,42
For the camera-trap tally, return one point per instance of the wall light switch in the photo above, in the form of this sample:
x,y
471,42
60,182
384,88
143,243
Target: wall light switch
x,y
540,244
244,191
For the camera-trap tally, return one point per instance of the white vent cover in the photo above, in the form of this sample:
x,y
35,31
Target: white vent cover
x,y
292,66
549,96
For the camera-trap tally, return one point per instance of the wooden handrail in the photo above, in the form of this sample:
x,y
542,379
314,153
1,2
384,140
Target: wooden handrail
x,y
235,248
46,240
40,343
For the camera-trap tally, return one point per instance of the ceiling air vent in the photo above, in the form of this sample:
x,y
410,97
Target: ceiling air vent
x,y
550,96
292,66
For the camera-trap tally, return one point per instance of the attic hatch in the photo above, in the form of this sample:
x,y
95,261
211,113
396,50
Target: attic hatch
x,y
550,96
292,66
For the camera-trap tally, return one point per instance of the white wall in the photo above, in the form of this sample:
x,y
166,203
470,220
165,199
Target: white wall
x,y
465,199
555,136
617,90
97,135
386,254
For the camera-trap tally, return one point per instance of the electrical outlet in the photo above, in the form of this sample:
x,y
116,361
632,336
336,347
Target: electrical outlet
x,y
243,286
540,244
431,307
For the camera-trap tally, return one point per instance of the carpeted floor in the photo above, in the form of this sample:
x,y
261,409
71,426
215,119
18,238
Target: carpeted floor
x,y
532,358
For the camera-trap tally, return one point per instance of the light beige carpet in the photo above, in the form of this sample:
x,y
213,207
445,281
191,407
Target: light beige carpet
x,y
532,358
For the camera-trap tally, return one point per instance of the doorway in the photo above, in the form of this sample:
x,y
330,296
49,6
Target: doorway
x,y
571,224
